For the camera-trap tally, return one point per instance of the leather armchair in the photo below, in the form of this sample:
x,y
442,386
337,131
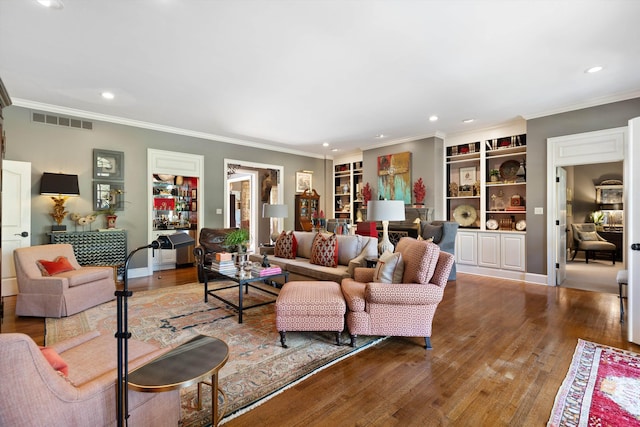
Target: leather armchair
x,y
62,294
211,241
398,309
587,239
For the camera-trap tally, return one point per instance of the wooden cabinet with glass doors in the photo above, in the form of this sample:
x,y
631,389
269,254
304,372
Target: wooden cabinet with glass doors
x,y
307,208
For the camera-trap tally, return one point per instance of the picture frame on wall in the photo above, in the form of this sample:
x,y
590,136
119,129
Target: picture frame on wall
x,y
108,195
468,176
108,165
304,181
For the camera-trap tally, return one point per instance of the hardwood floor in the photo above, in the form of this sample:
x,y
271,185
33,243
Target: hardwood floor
x,y
501,349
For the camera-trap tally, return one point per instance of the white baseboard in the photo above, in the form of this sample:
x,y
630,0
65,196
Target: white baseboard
x,y
522,276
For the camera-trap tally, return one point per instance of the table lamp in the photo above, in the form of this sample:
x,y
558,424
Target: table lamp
x,y
275,211
385,211
59,186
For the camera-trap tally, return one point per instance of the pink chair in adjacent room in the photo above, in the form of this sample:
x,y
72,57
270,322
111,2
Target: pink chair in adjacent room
x,y
399,309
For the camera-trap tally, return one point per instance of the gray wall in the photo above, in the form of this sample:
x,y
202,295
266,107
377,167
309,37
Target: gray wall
x,y
607,116
586,177
426,162
52,148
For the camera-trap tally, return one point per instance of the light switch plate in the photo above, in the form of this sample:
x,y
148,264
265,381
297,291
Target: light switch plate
x,y
538,211
219,211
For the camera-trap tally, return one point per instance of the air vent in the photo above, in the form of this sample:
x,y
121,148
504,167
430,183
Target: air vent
x,y
68,122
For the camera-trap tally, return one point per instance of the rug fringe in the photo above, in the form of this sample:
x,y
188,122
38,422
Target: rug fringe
x,y
257,403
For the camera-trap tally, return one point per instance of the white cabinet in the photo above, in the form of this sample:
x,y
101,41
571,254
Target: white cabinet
x,y
496,250
466,248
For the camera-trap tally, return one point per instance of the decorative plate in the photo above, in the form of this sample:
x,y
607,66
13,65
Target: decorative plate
x,y
492,224
521,225
509,170
465,215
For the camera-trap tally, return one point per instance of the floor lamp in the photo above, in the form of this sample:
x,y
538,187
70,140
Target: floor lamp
x,y
385,211
172,241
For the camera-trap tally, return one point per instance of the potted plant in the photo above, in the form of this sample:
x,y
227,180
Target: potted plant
x,y
366,194
419,191
110,211
238,239
494,175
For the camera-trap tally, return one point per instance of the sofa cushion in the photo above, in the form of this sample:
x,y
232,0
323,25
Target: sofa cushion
x,y
55,360
420,259
389,269
325,250
588,236
286,245
305,242
431,231
50,268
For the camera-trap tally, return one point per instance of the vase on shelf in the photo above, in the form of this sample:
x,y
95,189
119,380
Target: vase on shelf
x,y
111,221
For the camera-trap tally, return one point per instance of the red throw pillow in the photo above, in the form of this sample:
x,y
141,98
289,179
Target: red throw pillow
x,y
51,268
55,360
324,250
286,246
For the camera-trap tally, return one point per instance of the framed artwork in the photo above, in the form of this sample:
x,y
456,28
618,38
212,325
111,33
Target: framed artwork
x,y
468,176
394,177
108,195
194,193
303,181
108,165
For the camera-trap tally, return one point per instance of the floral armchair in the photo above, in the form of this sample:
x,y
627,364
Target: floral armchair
x,y
399,309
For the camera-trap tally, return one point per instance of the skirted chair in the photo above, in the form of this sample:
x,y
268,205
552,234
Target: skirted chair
x,y
51,283
406,304
587,239
36,391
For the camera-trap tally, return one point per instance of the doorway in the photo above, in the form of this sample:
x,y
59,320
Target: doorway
x,y
248,186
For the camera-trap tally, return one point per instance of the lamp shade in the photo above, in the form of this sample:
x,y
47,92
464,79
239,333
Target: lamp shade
x,y
59,184
275,211
385,210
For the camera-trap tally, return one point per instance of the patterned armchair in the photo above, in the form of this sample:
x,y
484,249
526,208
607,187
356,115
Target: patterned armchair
x,y
399,309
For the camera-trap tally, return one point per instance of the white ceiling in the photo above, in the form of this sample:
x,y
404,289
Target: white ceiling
x,y
295,74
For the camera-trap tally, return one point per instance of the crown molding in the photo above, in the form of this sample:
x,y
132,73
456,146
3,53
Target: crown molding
x,y
34,105
437,134
624,96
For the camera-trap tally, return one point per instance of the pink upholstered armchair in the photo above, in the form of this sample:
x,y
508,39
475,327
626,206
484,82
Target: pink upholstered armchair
x,y
399,309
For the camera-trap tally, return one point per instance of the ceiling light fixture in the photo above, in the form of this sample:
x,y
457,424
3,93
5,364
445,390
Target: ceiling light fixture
x,y
468,121
325,144
334,149
379,136
594,69
108,95
51,4
433,118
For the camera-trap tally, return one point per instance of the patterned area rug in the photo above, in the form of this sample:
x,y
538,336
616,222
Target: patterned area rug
x,y
602,388
258,366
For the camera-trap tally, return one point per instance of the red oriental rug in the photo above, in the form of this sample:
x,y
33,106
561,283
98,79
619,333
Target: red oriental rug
x,y
602,388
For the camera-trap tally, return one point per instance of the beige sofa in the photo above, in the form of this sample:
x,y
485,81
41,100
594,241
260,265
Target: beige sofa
x,y
352,251
62,294
35,394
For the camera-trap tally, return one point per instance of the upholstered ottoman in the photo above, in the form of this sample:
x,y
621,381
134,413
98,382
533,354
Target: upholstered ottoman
x,y
310,306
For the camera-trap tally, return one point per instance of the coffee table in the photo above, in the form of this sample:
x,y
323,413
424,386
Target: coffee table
x,y
189,363
241,279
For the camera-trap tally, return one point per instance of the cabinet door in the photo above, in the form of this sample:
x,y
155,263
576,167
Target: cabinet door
x,y
489,250
466,248
513,248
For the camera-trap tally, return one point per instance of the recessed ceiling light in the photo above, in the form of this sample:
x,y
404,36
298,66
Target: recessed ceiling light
x,y
334,149
433,118
108,95
325,144
380,135
594,69
468,121
51,4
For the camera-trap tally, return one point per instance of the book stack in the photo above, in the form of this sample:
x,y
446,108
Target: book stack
x,y
266,271
224,267
515,208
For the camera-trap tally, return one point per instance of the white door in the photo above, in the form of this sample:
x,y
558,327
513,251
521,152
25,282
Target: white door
x,y
16,218
561,225
631,212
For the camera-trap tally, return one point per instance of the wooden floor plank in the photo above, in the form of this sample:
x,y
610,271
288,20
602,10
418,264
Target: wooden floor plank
x,y
501,351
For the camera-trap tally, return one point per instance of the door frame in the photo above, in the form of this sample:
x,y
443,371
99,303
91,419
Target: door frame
x,y
602,146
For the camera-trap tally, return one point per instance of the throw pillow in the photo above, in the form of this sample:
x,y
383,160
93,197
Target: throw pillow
x,y
432,231
55,360
286,245
51,268
325,250
588,236
389,269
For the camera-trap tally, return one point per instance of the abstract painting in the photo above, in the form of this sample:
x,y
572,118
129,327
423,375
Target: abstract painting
x,y
394,177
